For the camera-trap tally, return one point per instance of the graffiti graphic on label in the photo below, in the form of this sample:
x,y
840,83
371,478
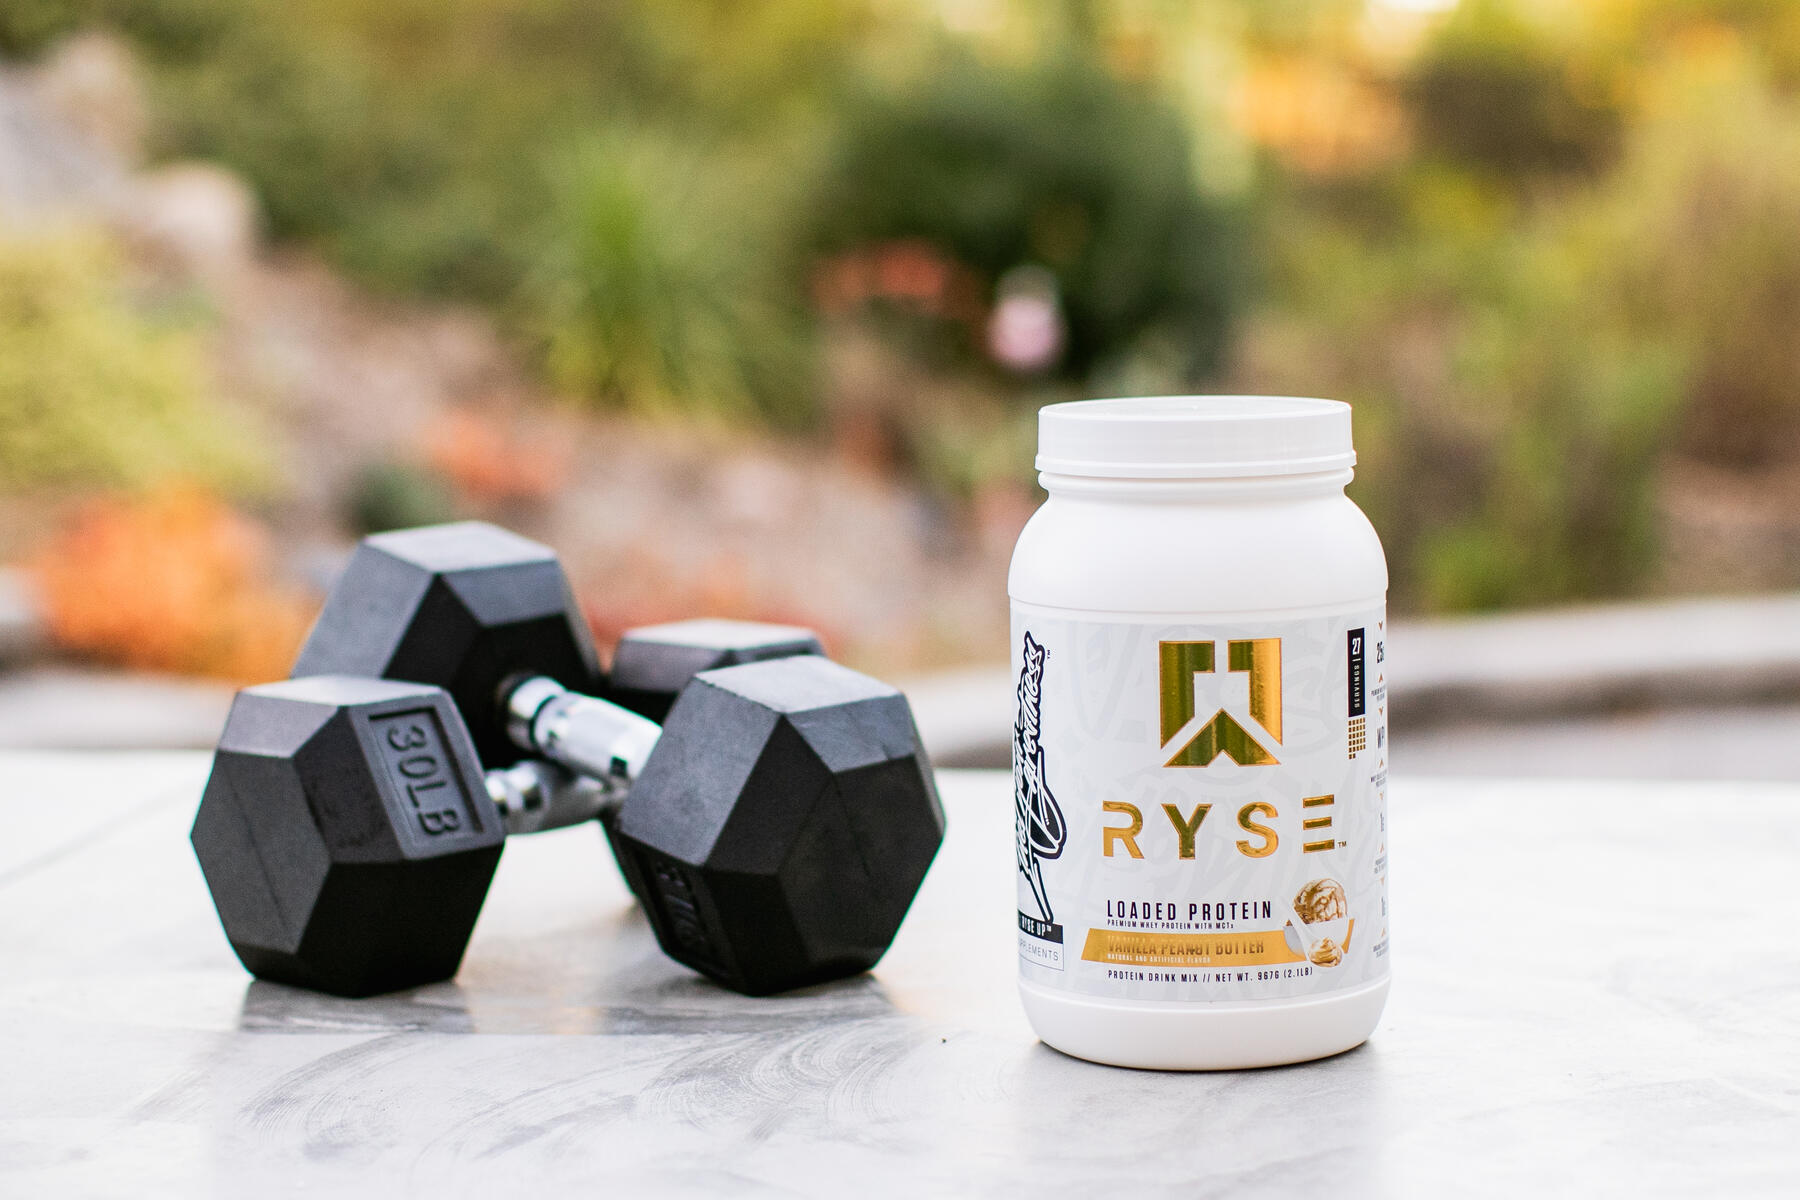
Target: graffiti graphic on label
x,y
1038,820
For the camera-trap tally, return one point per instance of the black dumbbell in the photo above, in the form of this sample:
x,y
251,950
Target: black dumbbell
x,y
348,835
776,828
651,664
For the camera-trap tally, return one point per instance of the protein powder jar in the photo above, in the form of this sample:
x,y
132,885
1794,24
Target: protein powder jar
x,y
1200,747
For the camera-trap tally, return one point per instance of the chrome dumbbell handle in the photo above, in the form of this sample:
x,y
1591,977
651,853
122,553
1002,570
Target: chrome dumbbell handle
x,y
588,736
535,795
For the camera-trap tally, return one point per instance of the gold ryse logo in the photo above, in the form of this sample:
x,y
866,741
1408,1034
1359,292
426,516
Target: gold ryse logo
x,y
1181,665
1200,743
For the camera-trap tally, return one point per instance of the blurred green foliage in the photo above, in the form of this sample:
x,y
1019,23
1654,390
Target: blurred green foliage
x,y
523,153
419,140
1053,163
1524,359
1544,248
642,188
1511,408
657,290
97,388
1706,214
1497,93
396,495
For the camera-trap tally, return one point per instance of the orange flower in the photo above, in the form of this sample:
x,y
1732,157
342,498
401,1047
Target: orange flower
x,y
171,581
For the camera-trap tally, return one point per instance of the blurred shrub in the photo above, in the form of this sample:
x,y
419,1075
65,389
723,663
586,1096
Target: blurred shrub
x,y
1493,91
626,181
1707,208
659,289
962,453
410,181
171,581
1578,406
172,30
1057,163
425,143
394,495
96,388
27,25
1523,360
1510,407
401,136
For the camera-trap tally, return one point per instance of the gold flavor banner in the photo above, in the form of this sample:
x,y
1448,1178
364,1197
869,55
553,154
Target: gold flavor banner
x,y
1258,948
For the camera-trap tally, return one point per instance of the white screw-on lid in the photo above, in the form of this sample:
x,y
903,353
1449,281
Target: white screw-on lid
x,y
1194,437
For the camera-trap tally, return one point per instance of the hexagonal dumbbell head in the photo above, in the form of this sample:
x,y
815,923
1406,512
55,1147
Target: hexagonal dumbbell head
x,y
652,663
462,606
346,835
783,825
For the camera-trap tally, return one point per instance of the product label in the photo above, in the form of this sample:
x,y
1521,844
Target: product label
x,y
1201,809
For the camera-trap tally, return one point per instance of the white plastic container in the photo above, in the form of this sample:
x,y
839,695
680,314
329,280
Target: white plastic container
x,y
1200,750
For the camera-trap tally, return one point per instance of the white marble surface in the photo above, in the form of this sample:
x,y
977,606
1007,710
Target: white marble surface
x,y
1597,993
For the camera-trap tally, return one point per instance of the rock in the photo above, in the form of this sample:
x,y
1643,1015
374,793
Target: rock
x,y
91,81
49,174
199,215
71,134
